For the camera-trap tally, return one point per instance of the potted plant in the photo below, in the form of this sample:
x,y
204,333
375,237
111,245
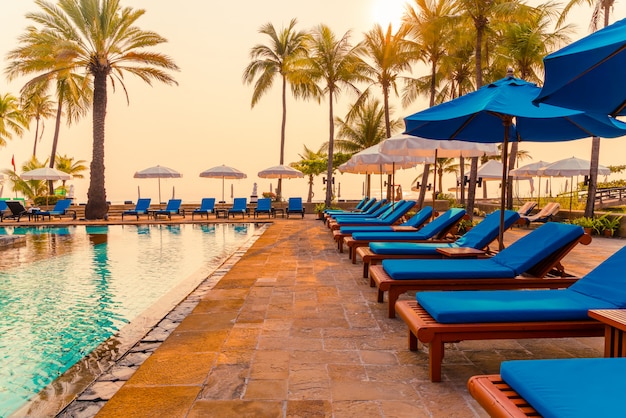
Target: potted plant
x,y
319,209
587,223
464,226
609,224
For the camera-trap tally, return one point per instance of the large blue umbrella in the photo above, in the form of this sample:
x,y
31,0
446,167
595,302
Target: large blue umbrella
x,y
503,111
589,73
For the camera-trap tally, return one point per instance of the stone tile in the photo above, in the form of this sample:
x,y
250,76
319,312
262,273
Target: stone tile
x,y
172,368
266,389
157,402
236,409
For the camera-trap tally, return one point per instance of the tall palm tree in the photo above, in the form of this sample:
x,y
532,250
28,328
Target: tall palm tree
x,y
268,61
311,164
601,9
39,107
12,118
429,24
390,55
99,36
334,64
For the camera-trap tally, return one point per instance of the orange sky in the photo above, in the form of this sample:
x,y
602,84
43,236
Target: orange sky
x,y
207,119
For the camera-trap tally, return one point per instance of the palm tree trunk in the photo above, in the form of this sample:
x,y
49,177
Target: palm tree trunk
x,y
55,139
422,195
279,187
593,177
36,137
96,207
462,182
331,146
309,198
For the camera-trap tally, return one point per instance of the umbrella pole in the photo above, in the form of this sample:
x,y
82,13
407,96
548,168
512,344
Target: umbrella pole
x,y
159,189
505,156
223,189
434,181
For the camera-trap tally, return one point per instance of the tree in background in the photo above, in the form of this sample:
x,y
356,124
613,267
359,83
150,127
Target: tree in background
x,y
98,36
70,166
334,64
40,108
311,164
277,58
12,119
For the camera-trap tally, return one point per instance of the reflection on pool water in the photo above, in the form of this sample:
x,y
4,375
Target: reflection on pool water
x,y
68,289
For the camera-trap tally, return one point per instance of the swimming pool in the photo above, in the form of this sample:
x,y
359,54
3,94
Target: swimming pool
x,y
69,289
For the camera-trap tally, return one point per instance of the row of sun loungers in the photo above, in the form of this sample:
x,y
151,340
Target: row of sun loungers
x,y
522,291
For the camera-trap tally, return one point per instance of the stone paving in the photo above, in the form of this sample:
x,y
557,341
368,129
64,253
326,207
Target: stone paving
x,y
293,330
290,329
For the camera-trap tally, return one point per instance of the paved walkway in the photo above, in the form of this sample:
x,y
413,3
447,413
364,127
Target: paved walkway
x,y
293,330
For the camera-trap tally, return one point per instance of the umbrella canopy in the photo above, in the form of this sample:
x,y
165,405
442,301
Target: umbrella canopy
x,y
280,172
223,172
45,173
570,167
491,170
415,146
589,73
157,172
529,170
488,115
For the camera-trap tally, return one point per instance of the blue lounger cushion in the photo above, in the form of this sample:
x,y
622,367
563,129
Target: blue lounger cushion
x,y
415,221
514,260
508,305
478,237
428,231
390,216
602,288
581,387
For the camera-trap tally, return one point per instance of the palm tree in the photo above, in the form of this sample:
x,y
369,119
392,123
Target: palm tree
x,y
365,128
98,36
12,118
601,9
38,107
390,54
69,166
28,188
334,64
311,164
279,57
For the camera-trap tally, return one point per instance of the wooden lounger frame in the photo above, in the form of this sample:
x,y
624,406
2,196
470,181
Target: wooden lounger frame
x,y
497,398
535,278
354,244
423,328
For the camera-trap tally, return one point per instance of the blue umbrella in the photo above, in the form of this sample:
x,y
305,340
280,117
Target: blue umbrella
x,y
589,73
503,111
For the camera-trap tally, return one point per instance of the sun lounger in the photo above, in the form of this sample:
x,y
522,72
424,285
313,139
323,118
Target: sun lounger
x,y
17,210
3,208
334,222
61,208
546,214
535,256
207,206
439,317
436,229
358,208
294,205
141,208
526,208
479,237
240,205
391,216
264,205
579,387
370,210
413,224
172,208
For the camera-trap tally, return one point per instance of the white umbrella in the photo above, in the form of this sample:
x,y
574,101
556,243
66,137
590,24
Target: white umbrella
x,y
412,145
223,172
280,172
45,173
374,161
157,172
570,167
532,170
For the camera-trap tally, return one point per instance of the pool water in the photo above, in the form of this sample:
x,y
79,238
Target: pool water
x,y
69,289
